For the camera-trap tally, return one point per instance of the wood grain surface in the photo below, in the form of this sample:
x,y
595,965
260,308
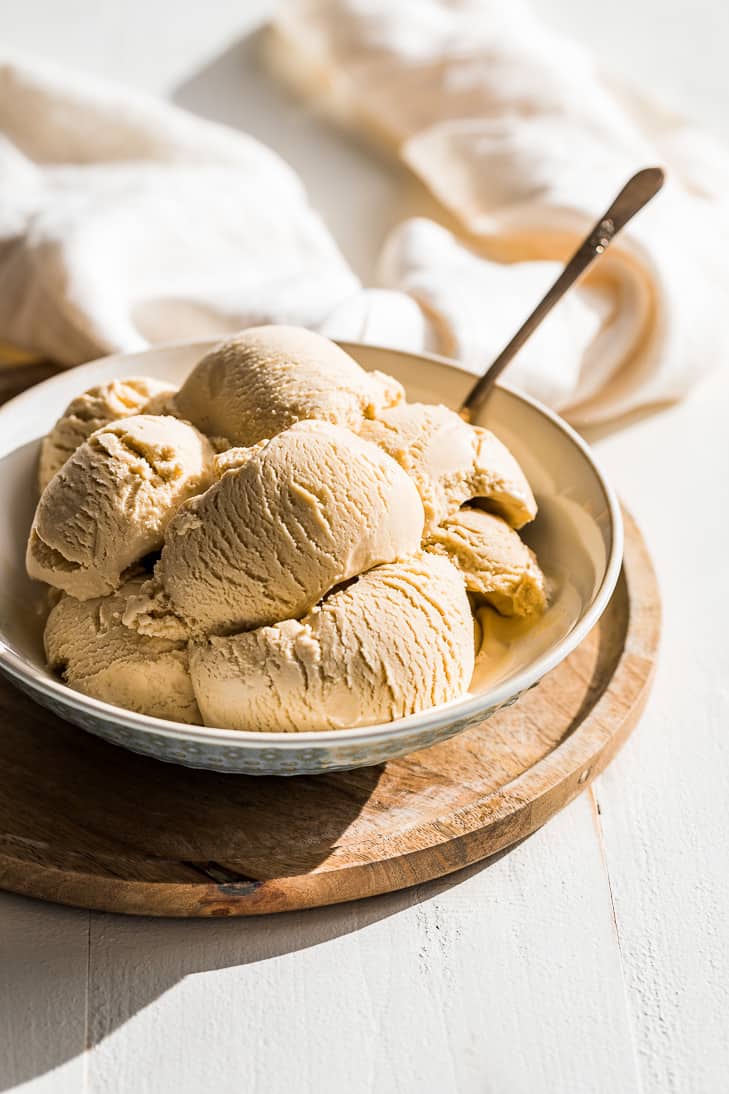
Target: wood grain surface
x,y
85,823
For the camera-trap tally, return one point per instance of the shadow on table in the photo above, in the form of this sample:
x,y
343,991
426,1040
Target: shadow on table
x,y
360,194
133,961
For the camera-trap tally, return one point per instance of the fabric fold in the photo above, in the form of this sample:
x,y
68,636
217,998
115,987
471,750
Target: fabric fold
x,y
125,221
524,141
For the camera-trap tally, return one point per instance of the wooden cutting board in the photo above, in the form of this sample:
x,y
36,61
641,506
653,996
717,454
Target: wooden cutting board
x,y
83,822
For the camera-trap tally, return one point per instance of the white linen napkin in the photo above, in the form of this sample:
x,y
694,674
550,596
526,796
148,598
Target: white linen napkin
x,y
125,221
525,142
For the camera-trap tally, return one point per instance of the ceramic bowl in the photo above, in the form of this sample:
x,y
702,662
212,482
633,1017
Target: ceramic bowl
x,y
577,536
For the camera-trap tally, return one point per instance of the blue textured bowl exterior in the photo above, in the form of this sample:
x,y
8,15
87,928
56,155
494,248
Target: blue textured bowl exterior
x,y
252,760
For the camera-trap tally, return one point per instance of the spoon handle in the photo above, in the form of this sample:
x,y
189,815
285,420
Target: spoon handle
x,y
636,193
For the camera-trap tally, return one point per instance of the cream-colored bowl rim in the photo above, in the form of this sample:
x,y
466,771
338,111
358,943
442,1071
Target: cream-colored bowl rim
x,y
459,709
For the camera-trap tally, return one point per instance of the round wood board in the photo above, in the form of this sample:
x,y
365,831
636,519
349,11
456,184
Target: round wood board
x,y
83,822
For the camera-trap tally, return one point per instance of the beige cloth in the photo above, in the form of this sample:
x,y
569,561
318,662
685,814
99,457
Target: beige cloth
x,y
125,221
525,141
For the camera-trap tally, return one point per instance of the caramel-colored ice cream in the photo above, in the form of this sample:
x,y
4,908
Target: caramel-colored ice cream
x,y
259,383
92,410
451,462
310,509
87,642
112,500
397,640
319,540
497,565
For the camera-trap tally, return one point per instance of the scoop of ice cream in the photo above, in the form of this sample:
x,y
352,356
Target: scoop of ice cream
x,y
262,381
500,480
230,459
397,640
451,462
163,403
92,410
497,566
148,611
112,501
313,507
96,654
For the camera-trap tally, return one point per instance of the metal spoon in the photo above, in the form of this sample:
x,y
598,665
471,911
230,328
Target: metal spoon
x,y
636,193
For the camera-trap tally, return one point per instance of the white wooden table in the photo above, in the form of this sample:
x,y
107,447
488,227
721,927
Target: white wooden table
x,y
593,957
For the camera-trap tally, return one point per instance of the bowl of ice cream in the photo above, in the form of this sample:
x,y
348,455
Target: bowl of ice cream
x,y
241,585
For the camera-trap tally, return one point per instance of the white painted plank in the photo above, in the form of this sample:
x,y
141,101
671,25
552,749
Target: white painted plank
x,y
507,980
43,962
665,806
